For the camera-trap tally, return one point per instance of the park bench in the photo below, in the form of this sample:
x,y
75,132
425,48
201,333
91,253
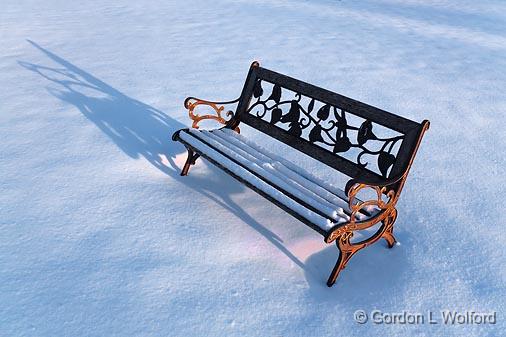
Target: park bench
x,y
373,147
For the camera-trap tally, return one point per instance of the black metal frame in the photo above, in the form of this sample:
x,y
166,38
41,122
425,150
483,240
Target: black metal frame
x,y
410,130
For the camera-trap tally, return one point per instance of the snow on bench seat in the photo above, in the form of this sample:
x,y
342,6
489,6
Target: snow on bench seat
x,y
322,204
295,174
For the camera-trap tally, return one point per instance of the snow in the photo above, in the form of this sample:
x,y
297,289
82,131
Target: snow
x,y
100,236
294,174
265,169
241,172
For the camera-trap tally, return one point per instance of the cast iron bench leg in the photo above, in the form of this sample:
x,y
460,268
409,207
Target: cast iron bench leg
x,y
388,235
344,256
192,157
347,249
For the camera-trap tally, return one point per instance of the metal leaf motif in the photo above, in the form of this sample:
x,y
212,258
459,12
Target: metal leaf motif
x,y
365,132
295,129
257,89
310,106
342,145
385,160
331,133
293,114
276,115
316,134
341,123
276,94
323,112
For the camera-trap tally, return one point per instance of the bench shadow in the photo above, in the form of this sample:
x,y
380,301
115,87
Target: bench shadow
x,y
140,131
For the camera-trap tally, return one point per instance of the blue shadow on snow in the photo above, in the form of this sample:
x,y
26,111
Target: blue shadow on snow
x,y
140,130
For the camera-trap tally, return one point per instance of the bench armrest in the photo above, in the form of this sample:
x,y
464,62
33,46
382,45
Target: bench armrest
x,y
382,189
191,103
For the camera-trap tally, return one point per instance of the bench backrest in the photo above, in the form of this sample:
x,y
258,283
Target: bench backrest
x,y
334,129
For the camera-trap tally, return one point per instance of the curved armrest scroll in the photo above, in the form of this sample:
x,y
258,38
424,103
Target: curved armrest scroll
x,y
381,188
191,103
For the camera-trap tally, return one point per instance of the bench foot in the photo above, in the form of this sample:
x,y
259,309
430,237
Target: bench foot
x,y
347,249
388,234
389,238
192,157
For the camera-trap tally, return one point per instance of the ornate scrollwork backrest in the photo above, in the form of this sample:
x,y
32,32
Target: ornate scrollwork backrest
x,y
332,128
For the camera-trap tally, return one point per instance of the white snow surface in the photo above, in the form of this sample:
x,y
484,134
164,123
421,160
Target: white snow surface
x,y
100,236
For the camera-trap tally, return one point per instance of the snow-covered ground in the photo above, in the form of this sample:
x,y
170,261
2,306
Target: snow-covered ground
x,y
100,236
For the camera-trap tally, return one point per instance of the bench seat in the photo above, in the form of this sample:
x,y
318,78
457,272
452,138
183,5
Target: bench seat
x,y
316,201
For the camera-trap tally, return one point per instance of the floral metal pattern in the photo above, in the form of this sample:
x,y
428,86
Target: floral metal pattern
x,y
324,129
